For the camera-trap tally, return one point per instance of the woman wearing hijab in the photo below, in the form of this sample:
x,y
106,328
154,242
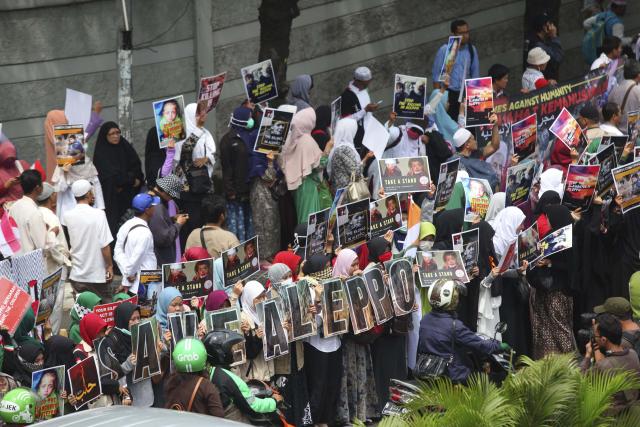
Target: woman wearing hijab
x,y
119,342
196,151
344,158
511,303
255,367
447,223
58,350
291,260
236,151
303,162
10,188
28,355
321,133
357,398
551,301
496,204
84,304
625,232
299,92
119,171
154,157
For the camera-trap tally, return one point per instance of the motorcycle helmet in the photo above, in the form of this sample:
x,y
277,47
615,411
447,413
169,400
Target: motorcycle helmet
x,y
444,294
18,406
189,355
218,345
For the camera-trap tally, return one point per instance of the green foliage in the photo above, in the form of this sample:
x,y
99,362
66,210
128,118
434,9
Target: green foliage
x,y
551,392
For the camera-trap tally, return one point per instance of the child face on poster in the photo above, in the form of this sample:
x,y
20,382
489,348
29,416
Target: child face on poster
x,y
450,261
47,385
202,270
169,111
476,189
392,207
249,250
416,167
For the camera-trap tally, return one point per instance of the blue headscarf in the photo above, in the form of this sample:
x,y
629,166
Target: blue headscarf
x,y
167,295
256,162
218,273
446,125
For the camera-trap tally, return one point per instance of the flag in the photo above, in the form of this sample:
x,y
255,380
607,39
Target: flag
x,y
413,225
9,236
37,165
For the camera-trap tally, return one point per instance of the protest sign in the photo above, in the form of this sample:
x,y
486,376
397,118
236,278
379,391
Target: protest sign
x,y
77,107
618,143
144,339
477,194
633,125
336,112
338,200
211,89
376,137
317,229
69,144
636,153
479,103
48,293
274,338
453,45
606,158
528,245
385,215
47,384
401,285
519,181
274,128
446,182
14,303
335,313
241,262
259,82
150,284
524,135
191,278
580,186
467,242
545,103
85,381
556,241
170,122
108,364
106,311
434,265
379,295
353,223
626,179
229,319
360,310
300,299
509,257
404,174
568,130
28,271
409,96
182,325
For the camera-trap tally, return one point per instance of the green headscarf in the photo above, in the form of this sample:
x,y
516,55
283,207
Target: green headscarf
x,y
121,297
84,304
26,325
634,294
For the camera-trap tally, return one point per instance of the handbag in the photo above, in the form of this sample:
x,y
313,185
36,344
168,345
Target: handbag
x,y
278,189
198,177
357,189
430,366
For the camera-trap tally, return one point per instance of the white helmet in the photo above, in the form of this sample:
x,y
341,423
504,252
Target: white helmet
x,y
444,294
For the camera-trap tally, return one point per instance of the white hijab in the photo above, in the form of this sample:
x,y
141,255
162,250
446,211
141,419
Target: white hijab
x,y
506,225
496,205
346,130
551,179
250,292
205,146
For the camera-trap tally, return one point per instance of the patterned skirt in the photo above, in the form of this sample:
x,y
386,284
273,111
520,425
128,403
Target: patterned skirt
x,y
551,323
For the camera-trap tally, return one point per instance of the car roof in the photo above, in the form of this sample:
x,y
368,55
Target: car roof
x,y
129,416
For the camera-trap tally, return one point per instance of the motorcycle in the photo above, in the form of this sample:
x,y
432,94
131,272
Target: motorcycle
x,y
262,390
497,366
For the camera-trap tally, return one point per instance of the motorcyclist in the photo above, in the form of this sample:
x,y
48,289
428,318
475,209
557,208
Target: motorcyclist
x,y
439,327
238,401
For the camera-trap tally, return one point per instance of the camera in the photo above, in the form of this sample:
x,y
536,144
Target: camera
x,y
585,333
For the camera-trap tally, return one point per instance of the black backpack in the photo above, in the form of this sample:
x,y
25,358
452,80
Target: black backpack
x,y
634,339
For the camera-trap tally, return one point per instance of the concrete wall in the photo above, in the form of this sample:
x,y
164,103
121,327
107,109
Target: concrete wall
x,y
49,45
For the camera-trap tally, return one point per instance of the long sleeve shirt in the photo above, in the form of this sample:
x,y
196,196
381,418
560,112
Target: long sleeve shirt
x,y
137,254
463,68
33,230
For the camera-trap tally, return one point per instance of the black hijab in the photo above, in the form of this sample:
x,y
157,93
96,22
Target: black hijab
x,y
377,247
122,315
58,350
320,132
315,264
154,157
548,198
447,223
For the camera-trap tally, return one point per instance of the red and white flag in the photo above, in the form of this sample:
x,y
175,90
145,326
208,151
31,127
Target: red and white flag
x,y
413,226
9,236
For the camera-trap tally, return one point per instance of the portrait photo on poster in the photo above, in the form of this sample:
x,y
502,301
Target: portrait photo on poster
x,y
170,122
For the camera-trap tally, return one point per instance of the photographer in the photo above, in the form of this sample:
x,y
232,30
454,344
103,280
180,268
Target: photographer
x,y
606,354
621,309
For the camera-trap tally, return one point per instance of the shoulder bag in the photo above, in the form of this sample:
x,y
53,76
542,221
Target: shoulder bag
x,y
198,177
358,188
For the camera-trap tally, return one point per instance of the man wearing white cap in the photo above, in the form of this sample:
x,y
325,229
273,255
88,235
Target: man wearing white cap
x,y
471,158
533,77
356,104
89,237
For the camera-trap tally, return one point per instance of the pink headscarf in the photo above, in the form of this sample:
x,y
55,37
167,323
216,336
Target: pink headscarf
x,y
300,153
215,300
343,262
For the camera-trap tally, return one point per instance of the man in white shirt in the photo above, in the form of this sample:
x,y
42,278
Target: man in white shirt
x,y
57,255
25,212
611,51
134,242
89,236
356,104
611,115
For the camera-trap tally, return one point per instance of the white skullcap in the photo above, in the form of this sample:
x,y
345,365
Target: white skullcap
x,y
47,191
363,74
80,187
461,137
